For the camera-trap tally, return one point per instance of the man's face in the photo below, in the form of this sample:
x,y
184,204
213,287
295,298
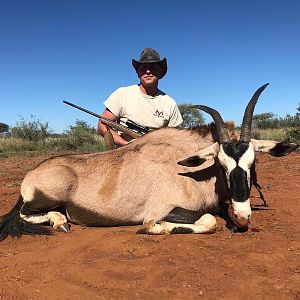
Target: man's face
x,y
149,73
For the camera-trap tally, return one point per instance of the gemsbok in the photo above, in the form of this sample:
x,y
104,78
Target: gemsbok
x,y
170,180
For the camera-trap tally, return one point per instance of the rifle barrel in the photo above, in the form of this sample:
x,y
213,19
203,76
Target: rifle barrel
x,y
83,109
108,122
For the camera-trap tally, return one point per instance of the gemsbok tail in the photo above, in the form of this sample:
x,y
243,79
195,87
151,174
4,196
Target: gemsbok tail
x,y
13,225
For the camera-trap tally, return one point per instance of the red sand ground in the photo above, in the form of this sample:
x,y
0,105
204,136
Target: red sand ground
x,y
117,263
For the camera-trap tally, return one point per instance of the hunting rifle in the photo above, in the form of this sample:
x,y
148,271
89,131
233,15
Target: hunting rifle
x,y
133,130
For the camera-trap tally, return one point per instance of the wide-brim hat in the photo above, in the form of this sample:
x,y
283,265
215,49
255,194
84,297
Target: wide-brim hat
x,y
149,55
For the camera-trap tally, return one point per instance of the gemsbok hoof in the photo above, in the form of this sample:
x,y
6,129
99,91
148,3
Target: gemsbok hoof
x,y
63,228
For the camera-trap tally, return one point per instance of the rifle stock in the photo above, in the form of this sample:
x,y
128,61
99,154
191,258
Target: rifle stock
x,y
108,122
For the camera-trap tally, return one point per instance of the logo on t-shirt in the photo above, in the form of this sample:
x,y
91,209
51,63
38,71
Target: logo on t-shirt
x,y
159,114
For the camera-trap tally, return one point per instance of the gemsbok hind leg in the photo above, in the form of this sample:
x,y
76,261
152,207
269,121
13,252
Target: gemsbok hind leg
x,y
45,189
43,192
54,218
206,224
38,208
27,217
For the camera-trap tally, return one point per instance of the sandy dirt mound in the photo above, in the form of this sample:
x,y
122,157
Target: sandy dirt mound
x,y
117,263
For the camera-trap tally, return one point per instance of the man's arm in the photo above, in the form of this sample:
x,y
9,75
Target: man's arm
x,y
102,128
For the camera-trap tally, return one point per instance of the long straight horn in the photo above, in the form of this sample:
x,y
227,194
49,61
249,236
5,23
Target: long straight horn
x,y
247,119
220,125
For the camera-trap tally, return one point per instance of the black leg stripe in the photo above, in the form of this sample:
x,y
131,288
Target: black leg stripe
x,y
181,230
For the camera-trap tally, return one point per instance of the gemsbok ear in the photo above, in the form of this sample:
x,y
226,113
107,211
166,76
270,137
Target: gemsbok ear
x,y
274,148
201,156
192,161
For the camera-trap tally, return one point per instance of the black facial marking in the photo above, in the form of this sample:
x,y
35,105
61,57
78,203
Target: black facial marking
x,y
180,230
283,148
239,189
235,149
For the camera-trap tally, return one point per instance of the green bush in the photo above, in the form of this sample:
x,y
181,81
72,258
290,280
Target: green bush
x,y
35,135
33,130
293,134
81,134
69,142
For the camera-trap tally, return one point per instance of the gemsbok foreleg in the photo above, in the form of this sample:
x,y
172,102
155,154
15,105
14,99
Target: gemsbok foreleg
x,y
206,224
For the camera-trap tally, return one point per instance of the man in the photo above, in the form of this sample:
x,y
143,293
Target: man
x,y
143,103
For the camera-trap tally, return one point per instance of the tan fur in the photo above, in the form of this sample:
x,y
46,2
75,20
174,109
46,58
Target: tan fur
x,y
110,182
133,184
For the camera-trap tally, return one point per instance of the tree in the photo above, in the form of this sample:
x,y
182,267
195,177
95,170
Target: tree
x,y
191,116
3,127
298,114
264,120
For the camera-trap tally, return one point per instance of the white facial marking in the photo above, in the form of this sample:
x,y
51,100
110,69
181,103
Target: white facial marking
x,y
227,162
247,159
240,212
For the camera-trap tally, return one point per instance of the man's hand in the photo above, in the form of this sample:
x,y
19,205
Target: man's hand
x,y
102,128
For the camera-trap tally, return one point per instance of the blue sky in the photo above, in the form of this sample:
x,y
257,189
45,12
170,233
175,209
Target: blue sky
x,y
219,53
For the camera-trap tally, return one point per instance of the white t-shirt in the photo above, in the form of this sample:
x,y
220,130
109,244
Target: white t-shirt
x,y
148,111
